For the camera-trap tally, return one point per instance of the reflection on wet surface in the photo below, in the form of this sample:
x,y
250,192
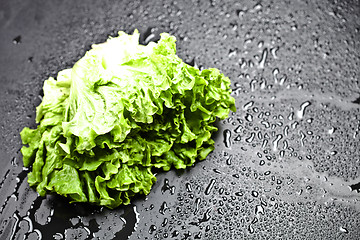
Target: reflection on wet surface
x,y
286,164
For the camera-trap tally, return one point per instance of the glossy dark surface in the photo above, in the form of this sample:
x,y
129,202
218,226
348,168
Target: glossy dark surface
x,y
286,164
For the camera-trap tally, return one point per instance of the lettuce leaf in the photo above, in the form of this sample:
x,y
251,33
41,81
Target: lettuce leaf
x,y
122,110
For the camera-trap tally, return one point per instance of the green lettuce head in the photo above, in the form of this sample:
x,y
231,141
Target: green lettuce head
x,y
122,110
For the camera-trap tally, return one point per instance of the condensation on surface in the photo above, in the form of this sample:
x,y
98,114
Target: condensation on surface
x,y
286,165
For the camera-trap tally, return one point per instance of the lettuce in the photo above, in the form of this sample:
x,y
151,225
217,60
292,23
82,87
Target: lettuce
x,y
121,111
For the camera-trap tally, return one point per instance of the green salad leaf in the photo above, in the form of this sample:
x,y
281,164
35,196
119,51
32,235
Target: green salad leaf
x,y
121,111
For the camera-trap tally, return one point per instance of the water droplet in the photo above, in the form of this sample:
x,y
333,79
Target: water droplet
x,y
294,124
220,211
13,162
251,229
333,153
188,187
251,138
282,154
259,210
253,85
167,187
149,36
206,216
286,130
257,7
227,136
282,80
198,235
187,235
267,173
250,63
355,187
255,220
291,116
228,161
248,105
242,63
265,123
163,208
262,83
263,58
165,222
236,175
302,137
300,113
238,129
249,117
238,138
356,101
216,171
175,233
210,186
240,12
58,236
274,52
275,72
344,230
355,134
239,194
331,130
17,40
265,143
276,141
232,53
197,204
254,193
152,229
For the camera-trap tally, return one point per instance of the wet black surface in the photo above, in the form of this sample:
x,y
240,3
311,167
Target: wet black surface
x,y
286,164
